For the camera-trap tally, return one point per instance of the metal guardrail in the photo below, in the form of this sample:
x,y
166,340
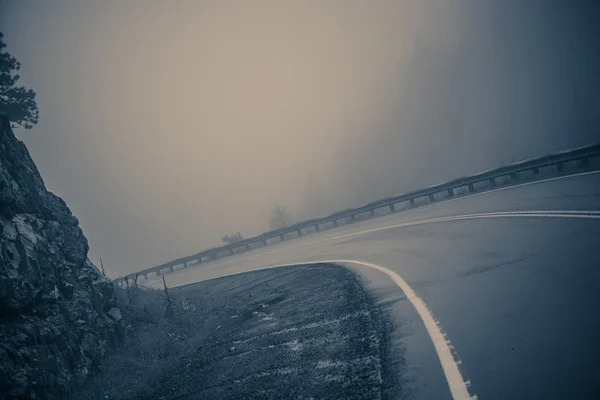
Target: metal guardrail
x,y
580,155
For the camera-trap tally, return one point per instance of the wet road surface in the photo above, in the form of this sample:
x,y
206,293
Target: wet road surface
x,y
517,296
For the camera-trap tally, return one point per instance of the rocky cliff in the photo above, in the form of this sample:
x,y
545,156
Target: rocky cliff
x,y
58,313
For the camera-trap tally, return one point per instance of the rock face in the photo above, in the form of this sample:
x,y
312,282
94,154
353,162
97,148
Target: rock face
x,y
58,313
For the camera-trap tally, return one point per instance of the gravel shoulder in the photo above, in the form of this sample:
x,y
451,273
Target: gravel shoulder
x,y
302,332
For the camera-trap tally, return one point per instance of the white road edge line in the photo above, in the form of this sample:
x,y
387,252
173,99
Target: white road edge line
x,y
502,214
437,203
448,361
457,384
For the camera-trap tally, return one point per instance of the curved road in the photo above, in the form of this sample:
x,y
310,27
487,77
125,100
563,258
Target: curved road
x,y
511,277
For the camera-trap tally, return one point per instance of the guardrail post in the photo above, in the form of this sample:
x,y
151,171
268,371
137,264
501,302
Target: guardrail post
x,y
146,276
299,232
372,212
158,272
335,223
265,242
559,166
247,246
353,217
231,252
536,170
392,208
514,176
471,188
281,237
492,182
583,162
317,228
185,264
171,268
450,192
412,202
431,198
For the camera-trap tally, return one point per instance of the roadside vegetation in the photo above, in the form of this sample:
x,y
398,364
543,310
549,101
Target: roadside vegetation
x,y
236,237
162,328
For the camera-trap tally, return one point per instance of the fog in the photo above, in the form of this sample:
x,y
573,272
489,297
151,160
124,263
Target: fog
x,y
510,80
166,126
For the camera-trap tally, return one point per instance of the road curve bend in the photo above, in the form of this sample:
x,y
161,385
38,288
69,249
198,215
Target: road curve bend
x,y
503,287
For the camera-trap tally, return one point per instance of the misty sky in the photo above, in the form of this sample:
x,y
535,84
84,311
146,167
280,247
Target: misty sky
x,y
166,125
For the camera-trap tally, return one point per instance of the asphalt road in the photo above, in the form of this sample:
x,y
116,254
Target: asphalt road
x,y
516,295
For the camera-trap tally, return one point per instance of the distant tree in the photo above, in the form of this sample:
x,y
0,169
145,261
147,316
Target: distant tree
x,y
236,237
16,102
279,217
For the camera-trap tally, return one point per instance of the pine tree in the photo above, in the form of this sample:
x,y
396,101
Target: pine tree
x,y
16,102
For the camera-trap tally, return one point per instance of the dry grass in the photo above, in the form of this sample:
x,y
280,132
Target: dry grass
x,y
156,340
